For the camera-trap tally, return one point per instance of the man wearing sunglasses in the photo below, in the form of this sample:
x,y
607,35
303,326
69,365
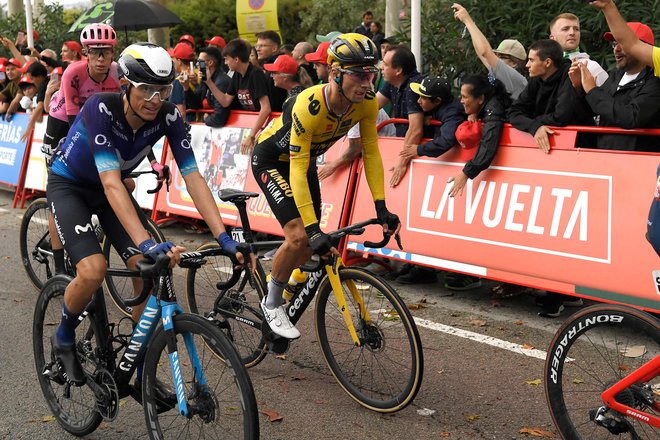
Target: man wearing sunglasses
x,y
284,162
111,135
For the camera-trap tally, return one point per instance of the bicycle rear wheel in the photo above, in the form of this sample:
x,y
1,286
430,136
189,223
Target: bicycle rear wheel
x,y
384,373
594,349
222,407
121,287
34,243
73,407
222,294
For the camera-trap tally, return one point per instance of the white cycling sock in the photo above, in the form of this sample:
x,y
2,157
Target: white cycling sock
x,y
275,290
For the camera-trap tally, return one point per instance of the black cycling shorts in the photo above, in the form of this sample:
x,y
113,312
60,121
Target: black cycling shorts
x,y
73,205
273,178
56,130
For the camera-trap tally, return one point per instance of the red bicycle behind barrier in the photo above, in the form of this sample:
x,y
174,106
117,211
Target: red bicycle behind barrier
x,y
602,375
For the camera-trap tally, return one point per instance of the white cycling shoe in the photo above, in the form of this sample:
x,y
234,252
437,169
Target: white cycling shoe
x,y
278,321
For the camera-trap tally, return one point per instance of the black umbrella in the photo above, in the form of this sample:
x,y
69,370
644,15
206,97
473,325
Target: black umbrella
x,y
130,15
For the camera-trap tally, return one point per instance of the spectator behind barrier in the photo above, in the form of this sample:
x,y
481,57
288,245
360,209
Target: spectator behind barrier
x,y
300,51
549,98
215,81
187,81
319,60
506,63
630,98
249,85
11,88
399,70
71,51
288,75
565,30
268,48
365,27
37,75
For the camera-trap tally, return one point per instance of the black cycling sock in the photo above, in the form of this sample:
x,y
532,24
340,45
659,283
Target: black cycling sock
x,y
66,332
58,256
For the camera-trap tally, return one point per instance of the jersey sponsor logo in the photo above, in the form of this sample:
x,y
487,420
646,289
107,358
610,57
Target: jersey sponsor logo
x,y
169,118
130,251
152,130
82,229
314,106
100,140
346,123
116,130
278,188
297,125
185,144
58,228
104,109
294,148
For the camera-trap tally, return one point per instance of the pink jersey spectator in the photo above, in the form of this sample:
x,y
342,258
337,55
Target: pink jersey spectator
x,y
56,108
77,86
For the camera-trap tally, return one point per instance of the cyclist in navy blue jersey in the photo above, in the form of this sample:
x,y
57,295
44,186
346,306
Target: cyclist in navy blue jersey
x,y
109,138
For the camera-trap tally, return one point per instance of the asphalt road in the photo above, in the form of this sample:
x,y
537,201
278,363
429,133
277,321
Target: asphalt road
x,y
470,391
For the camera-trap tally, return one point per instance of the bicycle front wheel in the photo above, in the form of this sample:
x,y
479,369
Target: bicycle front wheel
x,y
595,348
34,243
384,373
74,408
216,385
219,293
121,288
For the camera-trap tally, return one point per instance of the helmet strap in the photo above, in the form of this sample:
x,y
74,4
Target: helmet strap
x,y
128,98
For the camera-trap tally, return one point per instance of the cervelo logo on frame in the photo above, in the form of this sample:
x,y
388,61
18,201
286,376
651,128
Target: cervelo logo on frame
x,y
535,210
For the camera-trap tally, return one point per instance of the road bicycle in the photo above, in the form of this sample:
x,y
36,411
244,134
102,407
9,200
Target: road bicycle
x,y
366,333
602,374
37,255
209,393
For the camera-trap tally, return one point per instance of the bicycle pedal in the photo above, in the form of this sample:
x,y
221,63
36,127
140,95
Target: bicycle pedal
x,y
52,372
278,346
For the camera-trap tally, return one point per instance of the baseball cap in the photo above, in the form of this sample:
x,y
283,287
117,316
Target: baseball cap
x,y
512,48
321,54
468,134
188,38
327,37
3,60
3,68
74,46
25,80
432,87
35,34
14,61
218,41
283,64
57,71
183,51
25,66
643,32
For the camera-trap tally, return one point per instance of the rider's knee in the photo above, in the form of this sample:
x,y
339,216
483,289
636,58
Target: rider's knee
x,y
91,269
298,241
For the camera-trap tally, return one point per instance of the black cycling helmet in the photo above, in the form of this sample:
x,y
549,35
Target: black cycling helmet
x,y
147,63
353,51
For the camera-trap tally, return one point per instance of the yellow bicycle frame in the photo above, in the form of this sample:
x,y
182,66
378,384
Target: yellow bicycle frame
x,y
335,282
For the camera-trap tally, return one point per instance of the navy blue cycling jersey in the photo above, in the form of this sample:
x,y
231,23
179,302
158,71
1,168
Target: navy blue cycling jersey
x,y
101,139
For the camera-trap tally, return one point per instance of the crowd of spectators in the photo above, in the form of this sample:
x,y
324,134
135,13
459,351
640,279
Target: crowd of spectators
x,y
534,85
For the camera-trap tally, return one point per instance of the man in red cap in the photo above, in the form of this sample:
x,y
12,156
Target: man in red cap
x,y
630,98
188,39
319,60
183,94
216,41
71,51
12,71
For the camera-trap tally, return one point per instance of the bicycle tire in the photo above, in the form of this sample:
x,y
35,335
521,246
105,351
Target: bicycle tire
x,y
35,245
121,288
385,373
204,287
588,354
227,404
75,412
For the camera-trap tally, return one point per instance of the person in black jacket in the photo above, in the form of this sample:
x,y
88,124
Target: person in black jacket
x,y
549,98
436,100
630,98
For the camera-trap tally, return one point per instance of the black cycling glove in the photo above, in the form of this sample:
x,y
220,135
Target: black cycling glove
x,y
386,217
318,240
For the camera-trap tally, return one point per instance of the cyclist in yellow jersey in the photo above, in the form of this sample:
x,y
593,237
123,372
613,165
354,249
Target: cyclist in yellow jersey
x,y
631,44
284,162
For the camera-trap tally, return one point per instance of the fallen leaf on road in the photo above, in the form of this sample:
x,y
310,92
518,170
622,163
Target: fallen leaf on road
x,y
537,432
527,347
416,306
578,381
280,356
273,416
518,322
46,419
425,412
472,417
478,322
624,368
444,434
634,351
18,300
533,382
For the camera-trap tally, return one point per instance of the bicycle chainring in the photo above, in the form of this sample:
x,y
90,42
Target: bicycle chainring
x,y
107,398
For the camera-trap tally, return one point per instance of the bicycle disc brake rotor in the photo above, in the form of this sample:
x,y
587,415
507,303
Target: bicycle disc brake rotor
x,y
371,336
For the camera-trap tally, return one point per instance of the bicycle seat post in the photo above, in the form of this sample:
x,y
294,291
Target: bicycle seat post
x,y
241,205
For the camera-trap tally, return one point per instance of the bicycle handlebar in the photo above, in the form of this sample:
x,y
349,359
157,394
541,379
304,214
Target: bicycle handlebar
x,y
148,271
358,229
159,185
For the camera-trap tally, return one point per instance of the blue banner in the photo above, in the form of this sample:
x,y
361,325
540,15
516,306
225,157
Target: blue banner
x,y
12,148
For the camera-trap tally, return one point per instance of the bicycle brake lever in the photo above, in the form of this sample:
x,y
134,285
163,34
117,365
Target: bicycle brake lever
x,y
397,237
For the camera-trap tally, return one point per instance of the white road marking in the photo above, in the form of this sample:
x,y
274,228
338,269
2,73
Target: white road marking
x,y
477,337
